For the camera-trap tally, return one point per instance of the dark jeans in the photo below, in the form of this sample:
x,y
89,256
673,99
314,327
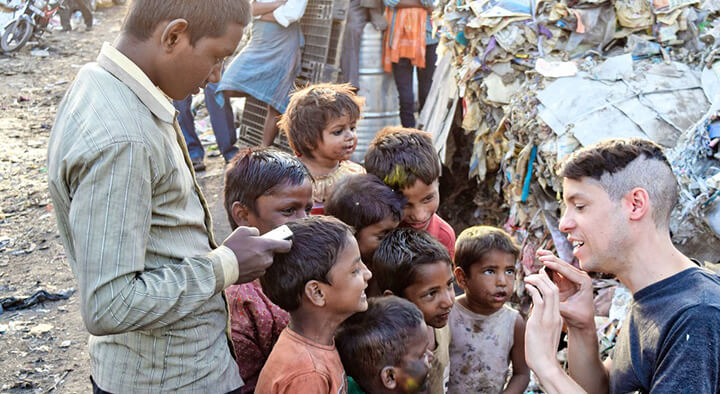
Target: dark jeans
x,y
70,7
221,119
98,390
403,74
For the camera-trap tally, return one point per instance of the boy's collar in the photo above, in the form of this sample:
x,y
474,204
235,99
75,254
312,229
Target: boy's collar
x,y
120,66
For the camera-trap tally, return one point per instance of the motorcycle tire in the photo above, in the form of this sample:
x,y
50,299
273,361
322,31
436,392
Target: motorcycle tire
x,y
119,2
16,35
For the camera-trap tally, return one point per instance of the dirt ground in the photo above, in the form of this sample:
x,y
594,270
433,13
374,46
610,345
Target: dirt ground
x,y
44,348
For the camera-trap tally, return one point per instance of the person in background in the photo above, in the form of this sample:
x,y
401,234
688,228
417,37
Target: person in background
x,y
409,46
223,125
266,68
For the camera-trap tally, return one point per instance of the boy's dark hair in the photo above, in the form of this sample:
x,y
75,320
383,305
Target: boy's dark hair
x,y
619,165
316,243
312,108
208,18
474,242
256,172
401,252
400,156
363,200
371,340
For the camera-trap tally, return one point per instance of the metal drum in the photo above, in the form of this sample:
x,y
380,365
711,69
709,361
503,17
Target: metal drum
x,y
378,88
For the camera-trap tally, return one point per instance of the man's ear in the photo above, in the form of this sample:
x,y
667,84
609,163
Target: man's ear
x,y
460,277
388,293
172,34
314,293
239,214
388,377
638,203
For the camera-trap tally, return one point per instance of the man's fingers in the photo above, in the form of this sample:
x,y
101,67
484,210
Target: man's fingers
x,y
565,269
243,231
548,290
535,295
278,245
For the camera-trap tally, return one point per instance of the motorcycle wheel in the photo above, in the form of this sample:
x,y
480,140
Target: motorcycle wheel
x,y
16,35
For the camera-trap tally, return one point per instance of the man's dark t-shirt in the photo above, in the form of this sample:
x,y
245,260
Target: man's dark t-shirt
x,y
670,341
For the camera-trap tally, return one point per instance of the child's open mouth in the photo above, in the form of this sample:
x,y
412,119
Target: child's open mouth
x,y
500,296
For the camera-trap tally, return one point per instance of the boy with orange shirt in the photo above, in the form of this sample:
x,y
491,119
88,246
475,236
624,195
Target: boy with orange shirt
x,y
321,282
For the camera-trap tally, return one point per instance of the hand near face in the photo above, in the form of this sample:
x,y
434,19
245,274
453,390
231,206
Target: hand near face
x,y
575,292
542,332
254,253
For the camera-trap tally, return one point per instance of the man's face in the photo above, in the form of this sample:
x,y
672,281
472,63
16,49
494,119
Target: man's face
x,y
192,67
594,225
288,202
432,292
422,203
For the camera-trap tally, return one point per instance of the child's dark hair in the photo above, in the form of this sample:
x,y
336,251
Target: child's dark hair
x,y
312,108
400,156
316,243
256,172
368,341
474,242
363,200
208,18
399,255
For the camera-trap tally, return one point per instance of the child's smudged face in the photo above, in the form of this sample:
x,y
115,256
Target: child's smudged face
x,y
284,203
369,237
432,291
490,282
422,203
412,374
345,295
339,139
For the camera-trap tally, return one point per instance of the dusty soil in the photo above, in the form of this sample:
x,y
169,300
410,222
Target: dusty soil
x,y
54,357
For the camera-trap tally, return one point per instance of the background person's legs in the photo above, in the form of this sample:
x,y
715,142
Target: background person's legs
x,y
223,123
187,125
270,128
403,75
425,75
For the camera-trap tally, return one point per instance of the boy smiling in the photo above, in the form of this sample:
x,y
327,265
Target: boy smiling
x,y
405,159
321,282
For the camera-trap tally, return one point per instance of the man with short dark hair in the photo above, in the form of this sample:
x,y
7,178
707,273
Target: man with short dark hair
x,y
619,195
136,228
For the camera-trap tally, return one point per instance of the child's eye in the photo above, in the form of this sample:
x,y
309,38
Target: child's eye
x,y
288,211
489,272
510,271
337,132
429,295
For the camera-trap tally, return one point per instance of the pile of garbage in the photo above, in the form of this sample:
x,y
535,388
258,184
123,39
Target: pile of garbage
x,y
538,80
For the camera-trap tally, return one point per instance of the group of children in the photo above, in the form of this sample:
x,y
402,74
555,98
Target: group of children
x,y
365,299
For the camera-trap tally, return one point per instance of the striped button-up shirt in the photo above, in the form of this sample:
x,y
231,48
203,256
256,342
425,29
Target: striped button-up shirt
x,y
138,236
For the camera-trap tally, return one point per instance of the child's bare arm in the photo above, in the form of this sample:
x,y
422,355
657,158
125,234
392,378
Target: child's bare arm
x,y
265,8
521,372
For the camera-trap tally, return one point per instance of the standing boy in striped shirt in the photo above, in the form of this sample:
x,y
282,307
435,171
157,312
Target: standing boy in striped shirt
x,y
135,225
